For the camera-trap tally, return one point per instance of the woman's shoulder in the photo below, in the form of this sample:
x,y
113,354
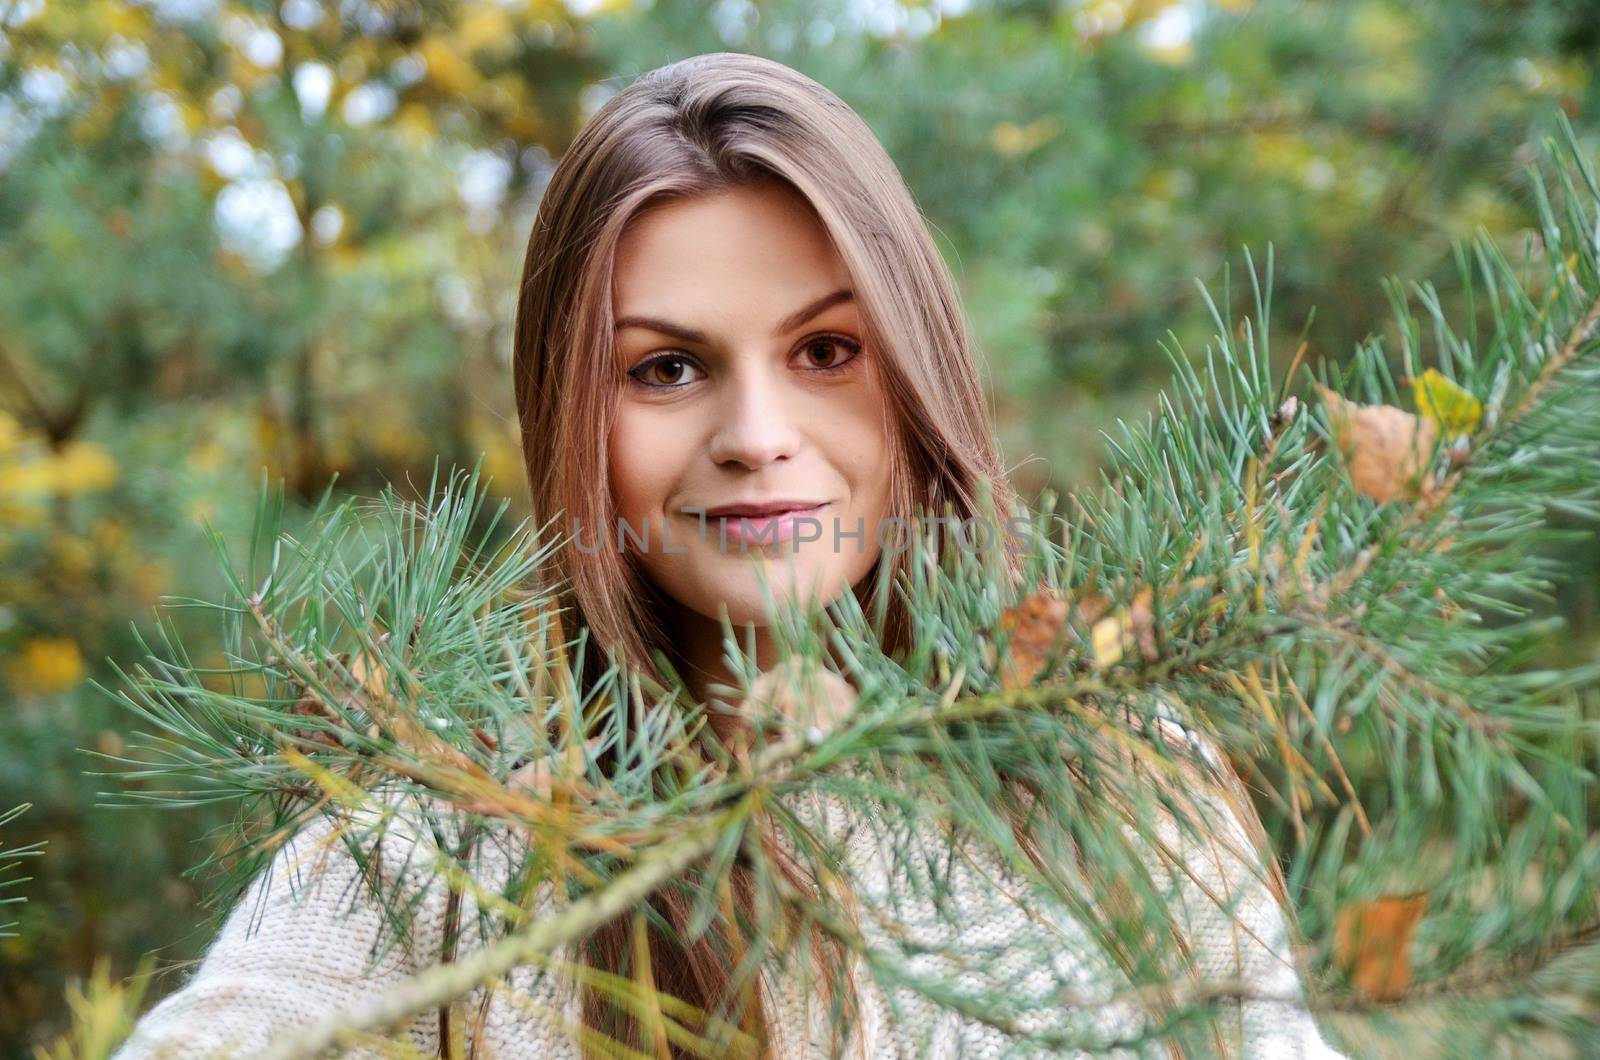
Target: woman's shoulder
x,y
353,900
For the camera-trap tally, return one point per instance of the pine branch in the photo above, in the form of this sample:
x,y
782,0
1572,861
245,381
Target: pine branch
x,y
9,860
1333,595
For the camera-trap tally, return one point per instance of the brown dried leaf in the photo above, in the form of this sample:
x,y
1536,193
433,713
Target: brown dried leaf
x,y
1037,625
1386,449
1372,943
372,679
1091,607
309,706
535,777
1034,627
371,684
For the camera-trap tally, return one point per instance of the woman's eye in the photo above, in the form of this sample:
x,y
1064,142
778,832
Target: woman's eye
x,y
667,371
827,352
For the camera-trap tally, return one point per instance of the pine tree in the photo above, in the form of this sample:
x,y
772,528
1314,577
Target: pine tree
x,y
1336,592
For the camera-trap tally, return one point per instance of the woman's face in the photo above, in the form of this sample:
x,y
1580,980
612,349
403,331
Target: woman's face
x,y
748,385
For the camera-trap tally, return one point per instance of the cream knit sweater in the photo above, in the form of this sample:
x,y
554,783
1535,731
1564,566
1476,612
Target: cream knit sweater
x,y
297,949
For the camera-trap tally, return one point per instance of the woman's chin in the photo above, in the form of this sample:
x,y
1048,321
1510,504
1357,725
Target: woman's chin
x,y
746,603
708,584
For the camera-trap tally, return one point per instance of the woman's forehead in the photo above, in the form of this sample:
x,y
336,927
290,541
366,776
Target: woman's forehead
x,y
749,244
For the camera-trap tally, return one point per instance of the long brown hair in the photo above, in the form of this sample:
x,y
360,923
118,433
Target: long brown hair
x,y
698,127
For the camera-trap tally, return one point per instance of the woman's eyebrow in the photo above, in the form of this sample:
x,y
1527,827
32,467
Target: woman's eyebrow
x,y
811,309
787,324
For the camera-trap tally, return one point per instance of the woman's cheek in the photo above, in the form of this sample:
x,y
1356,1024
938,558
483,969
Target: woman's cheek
x,y
628,469
647,462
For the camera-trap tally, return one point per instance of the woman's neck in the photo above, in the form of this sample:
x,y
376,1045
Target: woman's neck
x,y
697,642
705,670
697,653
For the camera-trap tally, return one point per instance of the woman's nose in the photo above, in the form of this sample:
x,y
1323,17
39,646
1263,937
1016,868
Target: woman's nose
x,y
755,424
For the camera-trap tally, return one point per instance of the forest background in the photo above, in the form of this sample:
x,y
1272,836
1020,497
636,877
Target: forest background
x,y
238,236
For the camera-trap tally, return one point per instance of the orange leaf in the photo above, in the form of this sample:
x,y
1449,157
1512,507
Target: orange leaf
x,y
1372,943
1034,628
1037,625
1386,449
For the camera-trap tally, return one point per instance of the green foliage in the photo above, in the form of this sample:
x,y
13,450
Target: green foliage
x,y
153,358
1363,661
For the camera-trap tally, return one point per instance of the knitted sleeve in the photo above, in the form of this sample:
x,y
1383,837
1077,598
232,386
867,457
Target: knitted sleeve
x,y
303,943
1232,912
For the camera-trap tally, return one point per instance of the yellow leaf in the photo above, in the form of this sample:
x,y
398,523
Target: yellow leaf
x,y
1011,139
1450,406
11,434
1125,628
415,122
72,556
207,456
47,664
1108,635
486,27
84,466
447,69
80,467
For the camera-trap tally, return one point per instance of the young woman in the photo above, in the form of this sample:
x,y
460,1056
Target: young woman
x,y
731,312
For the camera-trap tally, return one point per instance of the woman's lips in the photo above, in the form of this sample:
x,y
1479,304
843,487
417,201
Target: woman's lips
x,y
758,530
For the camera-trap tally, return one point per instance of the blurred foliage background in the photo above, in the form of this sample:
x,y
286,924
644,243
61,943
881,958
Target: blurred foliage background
x,y
240,238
